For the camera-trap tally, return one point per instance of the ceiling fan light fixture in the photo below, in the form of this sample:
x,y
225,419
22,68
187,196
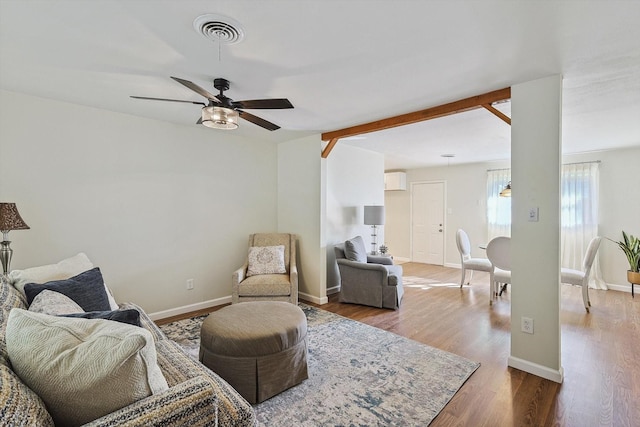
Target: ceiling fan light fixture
x,y
220,118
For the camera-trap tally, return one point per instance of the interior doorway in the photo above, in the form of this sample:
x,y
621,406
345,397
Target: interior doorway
x,y
427,222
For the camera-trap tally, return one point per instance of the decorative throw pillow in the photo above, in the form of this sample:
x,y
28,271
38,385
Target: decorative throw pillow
x,y
63,270
112,301
86,289
266,260
82,368
354,249
130,316
46,273
54,303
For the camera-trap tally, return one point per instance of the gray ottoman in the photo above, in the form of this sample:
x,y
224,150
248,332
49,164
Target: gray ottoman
x,y
260,348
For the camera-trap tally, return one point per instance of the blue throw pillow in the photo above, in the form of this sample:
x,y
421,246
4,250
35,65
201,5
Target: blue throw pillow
x,y
86,289
130,316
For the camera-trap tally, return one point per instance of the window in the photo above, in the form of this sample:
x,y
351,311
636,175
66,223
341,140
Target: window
x,y
579,196
498,208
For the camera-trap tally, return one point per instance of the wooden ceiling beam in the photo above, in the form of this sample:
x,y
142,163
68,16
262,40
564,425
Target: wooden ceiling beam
x,y
329,147
498,113
455,107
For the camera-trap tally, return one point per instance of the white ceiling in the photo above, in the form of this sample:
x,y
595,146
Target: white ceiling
x,y
341,63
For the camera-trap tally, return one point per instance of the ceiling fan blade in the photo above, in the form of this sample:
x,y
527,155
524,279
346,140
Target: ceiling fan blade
x,y
199,122
271,104
197,89
258,121
171,100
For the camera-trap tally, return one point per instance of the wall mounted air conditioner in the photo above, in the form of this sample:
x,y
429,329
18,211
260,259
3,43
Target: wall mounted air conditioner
x,y
394,181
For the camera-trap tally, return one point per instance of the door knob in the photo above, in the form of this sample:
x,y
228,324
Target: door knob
x,y
440,230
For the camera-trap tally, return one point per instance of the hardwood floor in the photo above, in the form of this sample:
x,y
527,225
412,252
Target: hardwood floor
x,y
600,352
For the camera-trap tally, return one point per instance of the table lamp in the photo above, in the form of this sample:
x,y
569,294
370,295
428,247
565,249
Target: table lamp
x,y
374,216
9,220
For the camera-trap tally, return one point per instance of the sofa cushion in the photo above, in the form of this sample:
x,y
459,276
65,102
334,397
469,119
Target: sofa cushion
x,y
266,260
265,284
66,360
354,249
86,289
19,405
54,303
177,367
131,317
191,403
64,269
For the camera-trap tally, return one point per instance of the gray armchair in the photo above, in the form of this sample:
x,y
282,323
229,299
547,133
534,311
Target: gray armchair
x,y
268,287
366,279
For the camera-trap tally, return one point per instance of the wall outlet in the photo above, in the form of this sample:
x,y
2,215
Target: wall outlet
x,y
189,284
526,325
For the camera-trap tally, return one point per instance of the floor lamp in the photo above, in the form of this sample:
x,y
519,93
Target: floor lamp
x,y
374,216
9,220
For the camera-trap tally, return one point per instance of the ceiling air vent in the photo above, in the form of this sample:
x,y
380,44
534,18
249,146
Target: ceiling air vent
x,y
219,28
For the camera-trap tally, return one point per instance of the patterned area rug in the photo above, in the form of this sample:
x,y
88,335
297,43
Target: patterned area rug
x,y
358,376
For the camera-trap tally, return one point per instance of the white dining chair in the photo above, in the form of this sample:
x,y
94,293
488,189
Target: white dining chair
x,y
466,261
499,254
581,278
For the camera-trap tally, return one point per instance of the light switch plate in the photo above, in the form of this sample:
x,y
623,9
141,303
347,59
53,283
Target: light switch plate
x,y
533,214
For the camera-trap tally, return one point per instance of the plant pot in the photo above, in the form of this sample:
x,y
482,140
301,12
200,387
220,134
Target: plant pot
x,y
633,277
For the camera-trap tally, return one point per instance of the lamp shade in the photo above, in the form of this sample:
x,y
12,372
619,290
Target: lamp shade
x,y
374,215
10,218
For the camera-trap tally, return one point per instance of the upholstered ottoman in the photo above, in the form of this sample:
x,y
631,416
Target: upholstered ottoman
x,y
260,348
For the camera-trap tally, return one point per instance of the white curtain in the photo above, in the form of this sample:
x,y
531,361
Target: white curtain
x,y
498,208
579,189
579,216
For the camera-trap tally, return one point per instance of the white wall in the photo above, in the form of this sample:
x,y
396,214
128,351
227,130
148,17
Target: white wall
x,y
355,178
466,197
151,203
299,210
465,208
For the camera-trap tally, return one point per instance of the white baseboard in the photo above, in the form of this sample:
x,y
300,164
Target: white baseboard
x,y
189,308
216,302
538,370
620,288
226,300
313,299
399,259
453,265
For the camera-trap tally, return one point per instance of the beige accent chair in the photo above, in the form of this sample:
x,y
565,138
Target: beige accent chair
x,y
269,287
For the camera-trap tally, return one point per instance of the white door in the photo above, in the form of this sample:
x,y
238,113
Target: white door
x,y
427,227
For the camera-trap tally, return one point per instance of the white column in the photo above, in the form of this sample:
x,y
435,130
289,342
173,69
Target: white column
x,y
535,164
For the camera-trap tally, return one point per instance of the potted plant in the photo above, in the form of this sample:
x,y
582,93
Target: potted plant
x,y
630,245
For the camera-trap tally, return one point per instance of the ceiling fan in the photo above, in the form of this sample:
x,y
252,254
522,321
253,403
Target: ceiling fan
x,y
222,112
